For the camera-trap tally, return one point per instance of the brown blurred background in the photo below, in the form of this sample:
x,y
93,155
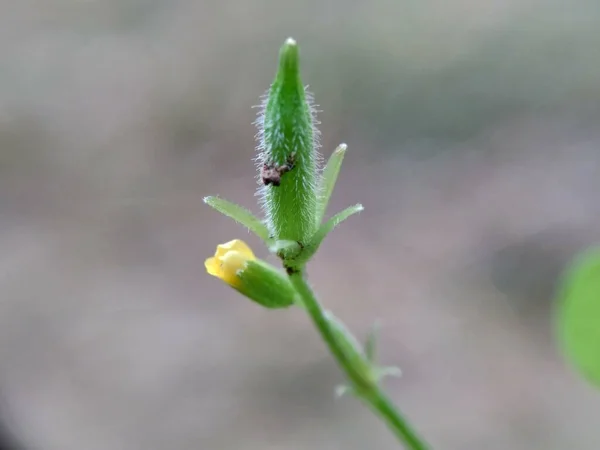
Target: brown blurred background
x,y
473,144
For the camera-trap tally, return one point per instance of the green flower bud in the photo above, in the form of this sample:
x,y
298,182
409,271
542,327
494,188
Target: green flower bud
x,y
266,285
287,153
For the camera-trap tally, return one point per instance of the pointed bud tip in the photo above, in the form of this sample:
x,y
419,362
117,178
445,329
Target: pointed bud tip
x,y
341,149
288,57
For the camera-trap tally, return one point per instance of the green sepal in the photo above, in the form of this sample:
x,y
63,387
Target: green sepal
x,y
240,215
286,250
266,285
317,239
328,180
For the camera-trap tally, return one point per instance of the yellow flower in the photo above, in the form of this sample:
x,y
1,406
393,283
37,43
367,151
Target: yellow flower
x,y
236,265
230,258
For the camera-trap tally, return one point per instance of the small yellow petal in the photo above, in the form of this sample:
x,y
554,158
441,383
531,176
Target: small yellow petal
x,y
237,245
242,247
231,264
213,267
229,259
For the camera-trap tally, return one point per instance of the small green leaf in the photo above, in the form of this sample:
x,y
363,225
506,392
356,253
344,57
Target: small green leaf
x,y
328,180
352,350
315,242
343,389
390,371
371,342
578,315
371,355
240,215
385,372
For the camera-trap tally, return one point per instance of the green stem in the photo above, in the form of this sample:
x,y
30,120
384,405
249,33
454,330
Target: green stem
x,y
369,392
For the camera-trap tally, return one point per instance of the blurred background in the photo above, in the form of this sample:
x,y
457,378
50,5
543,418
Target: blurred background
x,y
473,144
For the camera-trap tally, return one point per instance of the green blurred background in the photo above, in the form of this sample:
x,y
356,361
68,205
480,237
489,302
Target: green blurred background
x,y
473,144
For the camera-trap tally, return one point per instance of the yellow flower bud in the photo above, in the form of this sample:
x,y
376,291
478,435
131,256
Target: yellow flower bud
x,y
230,258
235,264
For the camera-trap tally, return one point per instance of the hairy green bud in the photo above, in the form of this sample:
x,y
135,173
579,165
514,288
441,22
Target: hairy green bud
x,y
287,153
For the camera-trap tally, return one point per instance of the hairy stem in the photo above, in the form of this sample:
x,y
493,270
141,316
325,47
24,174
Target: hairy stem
x,y
370,393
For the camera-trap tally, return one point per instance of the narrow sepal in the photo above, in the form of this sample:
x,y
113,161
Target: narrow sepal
x,y
240,215
329,179
317,239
